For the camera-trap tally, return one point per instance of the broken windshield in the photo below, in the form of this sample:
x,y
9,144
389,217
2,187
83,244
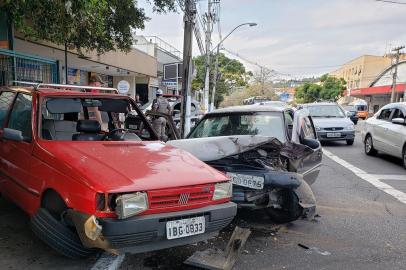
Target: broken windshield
x,y
264,124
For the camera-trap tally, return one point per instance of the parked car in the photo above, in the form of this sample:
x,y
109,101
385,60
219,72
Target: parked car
x,y
271,154
92,184
386,132
351,112
331,122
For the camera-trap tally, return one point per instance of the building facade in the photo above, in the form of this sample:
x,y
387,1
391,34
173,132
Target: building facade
x,y
41,61
169,61
369,77
362,71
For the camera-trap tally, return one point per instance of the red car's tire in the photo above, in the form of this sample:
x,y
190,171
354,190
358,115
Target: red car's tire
x,y
58,236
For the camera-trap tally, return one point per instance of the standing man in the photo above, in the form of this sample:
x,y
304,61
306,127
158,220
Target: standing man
x,y
138,100
160,105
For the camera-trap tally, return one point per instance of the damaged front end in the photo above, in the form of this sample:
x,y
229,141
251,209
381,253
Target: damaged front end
x,y
264,172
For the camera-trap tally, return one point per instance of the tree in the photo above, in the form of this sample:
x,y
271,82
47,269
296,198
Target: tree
x,y
252,90
232,74
101,25
330,88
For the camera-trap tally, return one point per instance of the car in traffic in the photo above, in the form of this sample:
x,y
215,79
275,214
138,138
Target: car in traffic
x,y
362,109
88,183
386,132
270,153
331,122
351,112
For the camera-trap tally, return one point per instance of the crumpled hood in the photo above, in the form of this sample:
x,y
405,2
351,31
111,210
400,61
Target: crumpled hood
x,y
127,166
331,122
215,148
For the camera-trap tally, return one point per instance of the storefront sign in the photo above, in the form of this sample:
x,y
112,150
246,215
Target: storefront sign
x,y
123,87
73,76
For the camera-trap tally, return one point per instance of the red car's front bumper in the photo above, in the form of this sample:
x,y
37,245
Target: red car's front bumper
x,y
148,232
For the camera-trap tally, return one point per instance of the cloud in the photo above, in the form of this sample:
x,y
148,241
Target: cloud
x,y
300,37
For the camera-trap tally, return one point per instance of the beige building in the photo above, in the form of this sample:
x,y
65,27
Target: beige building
x,y
362,71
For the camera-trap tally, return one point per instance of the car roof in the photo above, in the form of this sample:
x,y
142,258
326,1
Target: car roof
x,y
249,108
320,103
45,91
391,105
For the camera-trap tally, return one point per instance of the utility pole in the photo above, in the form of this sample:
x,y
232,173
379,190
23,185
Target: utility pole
x,y
187,65
216,74
395,73
209,23
66,63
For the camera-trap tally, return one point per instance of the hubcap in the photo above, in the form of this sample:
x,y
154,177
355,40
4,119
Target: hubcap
x,y
368,144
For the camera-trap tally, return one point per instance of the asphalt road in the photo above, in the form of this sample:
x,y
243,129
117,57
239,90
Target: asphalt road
x,y
360,226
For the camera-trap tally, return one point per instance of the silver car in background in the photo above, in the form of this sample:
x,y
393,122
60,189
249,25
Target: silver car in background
x,y
386,132
331,121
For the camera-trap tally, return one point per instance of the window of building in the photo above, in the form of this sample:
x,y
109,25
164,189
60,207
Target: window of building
x,y
4,28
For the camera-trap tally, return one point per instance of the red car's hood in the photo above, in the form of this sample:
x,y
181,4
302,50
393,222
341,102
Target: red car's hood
x,y
127,166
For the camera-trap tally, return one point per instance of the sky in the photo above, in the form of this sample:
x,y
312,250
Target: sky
x,y
300,38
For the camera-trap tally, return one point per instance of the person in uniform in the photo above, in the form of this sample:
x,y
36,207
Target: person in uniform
x,y
160,105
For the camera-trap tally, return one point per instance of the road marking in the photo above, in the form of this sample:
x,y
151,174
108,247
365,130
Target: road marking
x,y
370,178
108,262
391,177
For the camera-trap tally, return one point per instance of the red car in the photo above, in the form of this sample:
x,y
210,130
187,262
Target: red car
x,y
88,183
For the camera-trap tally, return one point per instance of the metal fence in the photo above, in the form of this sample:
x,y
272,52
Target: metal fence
x,y
22,67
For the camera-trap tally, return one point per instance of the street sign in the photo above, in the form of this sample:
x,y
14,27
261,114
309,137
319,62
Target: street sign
x,y
123,87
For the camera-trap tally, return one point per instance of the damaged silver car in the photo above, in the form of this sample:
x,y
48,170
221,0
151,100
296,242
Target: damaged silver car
x,y
271,154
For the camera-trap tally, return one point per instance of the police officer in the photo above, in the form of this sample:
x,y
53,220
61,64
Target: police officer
x,y
160,105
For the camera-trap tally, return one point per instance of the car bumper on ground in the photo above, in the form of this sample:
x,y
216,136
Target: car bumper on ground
x,y
147,233
249,198
338,135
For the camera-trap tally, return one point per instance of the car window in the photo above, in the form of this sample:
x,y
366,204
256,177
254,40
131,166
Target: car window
x,y
289,123
20,116
6,99
307,128
333,111
398,114
264,124
385,114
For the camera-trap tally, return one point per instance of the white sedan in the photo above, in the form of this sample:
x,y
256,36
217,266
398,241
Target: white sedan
x,y
386,131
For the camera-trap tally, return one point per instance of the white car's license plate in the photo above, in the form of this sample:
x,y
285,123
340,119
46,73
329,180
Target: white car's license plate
x,y
333,135
251,181
185,227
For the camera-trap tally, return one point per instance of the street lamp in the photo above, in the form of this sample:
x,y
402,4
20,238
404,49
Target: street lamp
x,y
235,28
217,60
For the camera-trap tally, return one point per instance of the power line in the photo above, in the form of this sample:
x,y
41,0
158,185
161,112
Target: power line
x,y
391,2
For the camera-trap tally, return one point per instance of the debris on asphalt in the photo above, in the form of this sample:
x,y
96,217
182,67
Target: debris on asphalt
x,y
216,259
303,246
310,250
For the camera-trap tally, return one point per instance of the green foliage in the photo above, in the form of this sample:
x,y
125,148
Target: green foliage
x,y
101,25
252,90
331,88
232,74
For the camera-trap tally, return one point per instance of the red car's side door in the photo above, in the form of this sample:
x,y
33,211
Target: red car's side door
x,y
16,156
